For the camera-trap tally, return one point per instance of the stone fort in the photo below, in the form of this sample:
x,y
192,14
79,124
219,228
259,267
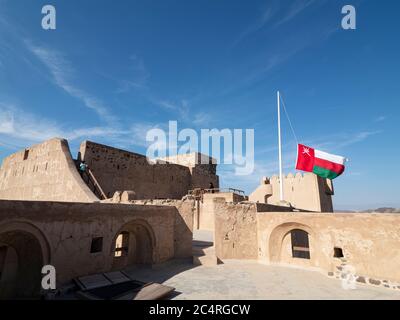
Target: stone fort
x,y
125,211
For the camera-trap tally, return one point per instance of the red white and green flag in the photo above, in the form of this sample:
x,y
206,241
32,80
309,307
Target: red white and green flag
x,y
323,164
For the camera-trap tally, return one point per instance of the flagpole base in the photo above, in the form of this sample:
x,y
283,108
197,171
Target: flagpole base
x,y
284,203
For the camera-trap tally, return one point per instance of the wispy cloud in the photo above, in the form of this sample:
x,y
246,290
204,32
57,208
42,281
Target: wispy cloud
x,y
19,128
202,119
295,9
356,138
180,108
271,13
186,113
260,23
138,76
380,119
62,74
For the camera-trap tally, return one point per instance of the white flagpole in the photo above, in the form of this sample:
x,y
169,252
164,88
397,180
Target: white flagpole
x,y
280,149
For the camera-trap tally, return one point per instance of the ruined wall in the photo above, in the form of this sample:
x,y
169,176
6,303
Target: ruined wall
x,y
43,172
235,235
370,243
206,208
62,234
306,192
118,170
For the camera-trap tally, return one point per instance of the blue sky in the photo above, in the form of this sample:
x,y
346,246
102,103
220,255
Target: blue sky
x,y
113,70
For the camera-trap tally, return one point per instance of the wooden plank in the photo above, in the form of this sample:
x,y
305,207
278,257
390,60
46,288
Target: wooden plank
x,y
301,249
97,184
116,277
94,281
153,291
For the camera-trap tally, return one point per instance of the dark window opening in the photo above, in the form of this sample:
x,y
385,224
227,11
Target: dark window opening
x,y
338,253
97,245
300,244
26,154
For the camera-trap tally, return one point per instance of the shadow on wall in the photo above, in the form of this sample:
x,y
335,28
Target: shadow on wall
x,y
23,252
133,245
86,238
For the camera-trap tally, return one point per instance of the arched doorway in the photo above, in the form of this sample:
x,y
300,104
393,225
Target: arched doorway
x,y
292,243
133,245
21,262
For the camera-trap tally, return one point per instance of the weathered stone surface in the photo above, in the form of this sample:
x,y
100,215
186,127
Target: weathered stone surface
x,y
117,169
374,282
43,172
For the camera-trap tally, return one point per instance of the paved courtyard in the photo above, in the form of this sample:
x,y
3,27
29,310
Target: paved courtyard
x,y
251,280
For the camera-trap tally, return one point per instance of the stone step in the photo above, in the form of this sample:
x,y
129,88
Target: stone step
x,y
205,260
202,251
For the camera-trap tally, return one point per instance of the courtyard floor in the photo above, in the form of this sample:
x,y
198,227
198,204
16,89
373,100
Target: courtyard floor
x,y
239,279
251,280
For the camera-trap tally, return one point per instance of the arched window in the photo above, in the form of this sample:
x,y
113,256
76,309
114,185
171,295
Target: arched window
x,y
300,244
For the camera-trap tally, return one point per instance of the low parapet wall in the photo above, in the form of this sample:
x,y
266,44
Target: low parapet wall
x,y
43,172
363,248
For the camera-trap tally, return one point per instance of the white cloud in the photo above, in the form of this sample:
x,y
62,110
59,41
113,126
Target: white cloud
x,y
19,129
